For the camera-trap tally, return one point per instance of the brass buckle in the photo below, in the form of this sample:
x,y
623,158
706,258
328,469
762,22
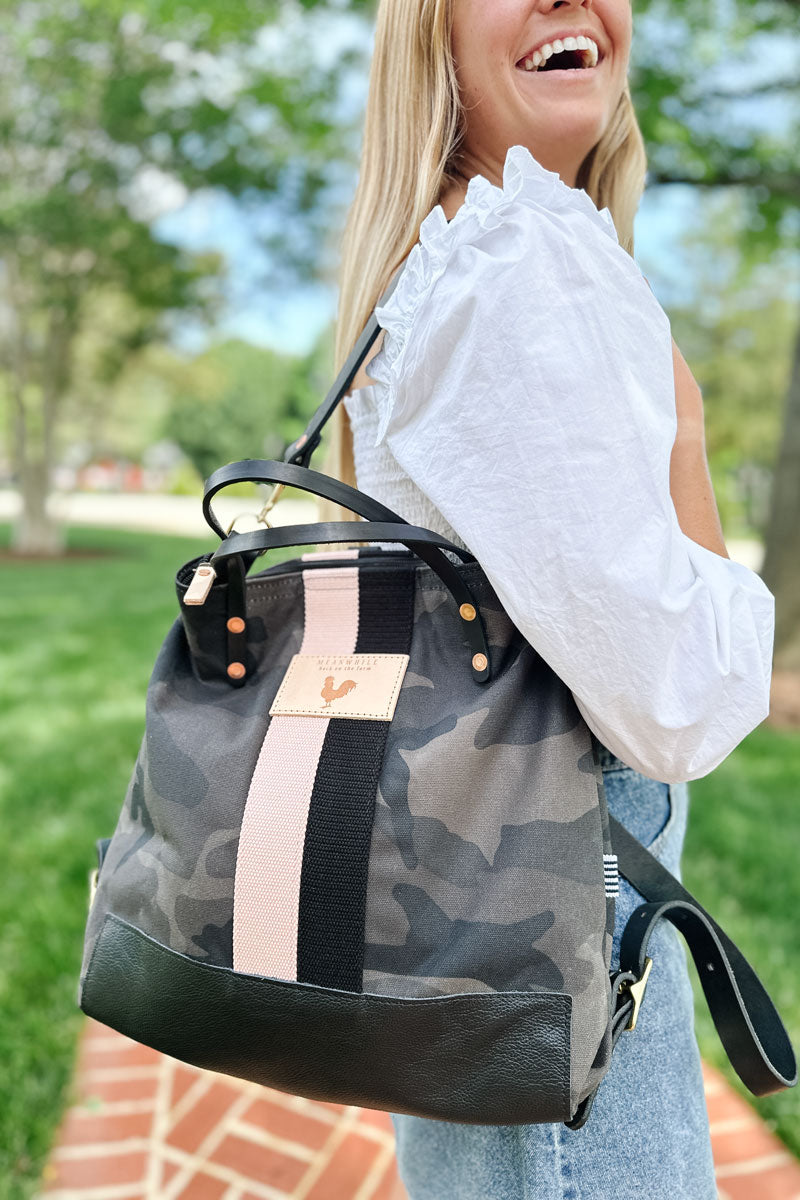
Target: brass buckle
x,y
261,515
636,990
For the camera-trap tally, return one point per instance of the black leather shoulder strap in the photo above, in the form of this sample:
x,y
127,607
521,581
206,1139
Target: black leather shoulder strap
x,y
747,1021
301,450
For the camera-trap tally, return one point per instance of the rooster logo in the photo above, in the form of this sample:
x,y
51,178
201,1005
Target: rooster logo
x,y
329,692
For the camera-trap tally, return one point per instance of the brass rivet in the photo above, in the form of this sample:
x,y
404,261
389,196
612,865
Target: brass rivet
x,y
480,662
468,612
235,625
236,670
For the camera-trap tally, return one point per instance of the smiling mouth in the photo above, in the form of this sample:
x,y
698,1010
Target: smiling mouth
x,y
577,56
566,74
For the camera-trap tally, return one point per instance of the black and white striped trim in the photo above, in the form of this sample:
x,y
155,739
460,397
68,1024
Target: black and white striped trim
x,y
611,874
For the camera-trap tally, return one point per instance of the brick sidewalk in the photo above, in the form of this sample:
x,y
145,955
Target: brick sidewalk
x,y
146,1127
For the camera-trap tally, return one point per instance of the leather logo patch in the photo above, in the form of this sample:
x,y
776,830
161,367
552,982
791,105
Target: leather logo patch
x,y
365,686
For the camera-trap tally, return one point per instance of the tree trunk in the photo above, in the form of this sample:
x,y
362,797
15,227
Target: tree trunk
x,y
35,532
781,568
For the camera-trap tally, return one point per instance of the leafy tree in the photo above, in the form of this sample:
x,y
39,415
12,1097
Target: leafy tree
x,y
737,333
108,109
235,401
109,112
782,551
702,73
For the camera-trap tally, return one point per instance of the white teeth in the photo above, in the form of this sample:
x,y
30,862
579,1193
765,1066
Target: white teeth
x,y
558,46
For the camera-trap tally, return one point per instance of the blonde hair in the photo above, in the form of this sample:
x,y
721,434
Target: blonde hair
x,y
413,129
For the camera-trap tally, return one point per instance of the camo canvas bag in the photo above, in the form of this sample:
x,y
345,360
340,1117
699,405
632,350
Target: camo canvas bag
x,y
365,854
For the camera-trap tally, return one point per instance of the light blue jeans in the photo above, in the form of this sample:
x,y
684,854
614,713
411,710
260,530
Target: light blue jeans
x,y
647,1135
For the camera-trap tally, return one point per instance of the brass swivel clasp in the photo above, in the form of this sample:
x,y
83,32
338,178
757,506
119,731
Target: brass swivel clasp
x,y
637,989
261,515
272,500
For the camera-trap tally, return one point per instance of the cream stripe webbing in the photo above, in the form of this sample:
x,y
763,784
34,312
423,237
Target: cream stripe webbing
x,y
270,854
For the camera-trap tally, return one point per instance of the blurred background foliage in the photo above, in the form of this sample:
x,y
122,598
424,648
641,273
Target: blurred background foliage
x,y
116,118
113,116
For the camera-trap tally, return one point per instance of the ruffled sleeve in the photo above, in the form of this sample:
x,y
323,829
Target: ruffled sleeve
x,y
444,244
525,384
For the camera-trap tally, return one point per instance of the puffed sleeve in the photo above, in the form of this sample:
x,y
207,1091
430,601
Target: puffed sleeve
x,y
525,384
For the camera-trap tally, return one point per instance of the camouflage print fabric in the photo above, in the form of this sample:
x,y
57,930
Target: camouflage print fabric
x,y
486,869
486,861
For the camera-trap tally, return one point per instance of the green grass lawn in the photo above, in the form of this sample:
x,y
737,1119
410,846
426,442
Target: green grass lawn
x,y
77,642
741,862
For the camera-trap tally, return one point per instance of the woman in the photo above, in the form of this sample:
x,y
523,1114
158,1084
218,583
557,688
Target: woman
x,y
527,400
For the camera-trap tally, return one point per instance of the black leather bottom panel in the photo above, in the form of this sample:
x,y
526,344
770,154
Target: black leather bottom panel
x,y
481,1058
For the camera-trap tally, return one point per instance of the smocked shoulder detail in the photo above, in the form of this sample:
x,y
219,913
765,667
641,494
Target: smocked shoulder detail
x,y
525,181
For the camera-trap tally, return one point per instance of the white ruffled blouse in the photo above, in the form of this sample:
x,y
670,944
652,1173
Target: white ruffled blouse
x,y
524,406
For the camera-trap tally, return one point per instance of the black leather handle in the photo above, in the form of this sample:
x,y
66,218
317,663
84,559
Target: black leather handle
x,y
301,450
266,470
340,531
747,1021
424,542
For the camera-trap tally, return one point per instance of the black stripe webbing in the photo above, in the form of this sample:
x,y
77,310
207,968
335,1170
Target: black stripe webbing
x,y
333,878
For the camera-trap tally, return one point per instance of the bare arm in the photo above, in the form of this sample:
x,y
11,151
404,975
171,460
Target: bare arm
x,y
689,478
